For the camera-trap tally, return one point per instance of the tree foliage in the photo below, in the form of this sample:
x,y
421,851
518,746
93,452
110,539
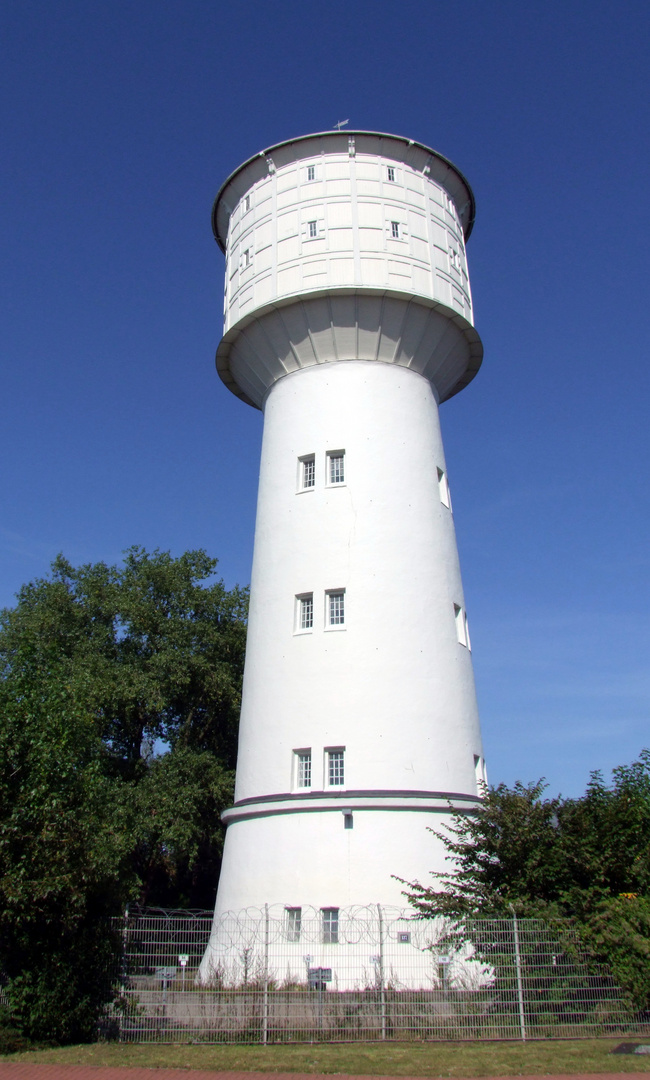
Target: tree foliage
x,y
585,860
119,698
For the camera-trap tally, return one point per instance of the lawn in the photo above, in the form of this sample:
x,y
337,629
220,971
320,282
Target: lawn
x,y
388,1059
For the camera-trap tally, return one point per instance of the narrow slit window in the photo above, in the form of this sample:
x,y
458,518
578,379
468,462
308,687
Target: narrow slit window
x,y
462,628
336,467
391,173
247,203
313,229
330,925
311,172
247,258
336,768
336,608
306,612
443,488
308,471
303,768
394,230
294,923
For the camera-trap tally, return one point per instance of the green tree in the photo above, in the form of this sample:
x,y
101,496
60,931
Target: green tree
x,y
583,860
119,697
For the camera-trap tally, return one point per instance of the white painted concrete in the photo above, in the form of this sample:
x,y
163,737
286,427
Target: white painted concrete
x,y
355,367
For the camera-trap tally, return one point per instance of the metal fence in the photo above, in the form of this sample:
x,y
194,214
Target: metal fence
x,y
363,973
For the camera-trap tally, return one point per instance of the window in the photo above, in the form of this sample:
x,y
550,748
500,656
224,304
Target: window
x,y
313,229
305,618
247,203
336,467
462,628
247,257
443,488
303,768
336,608
311,172
391,173
336,768
394,230
294,923
330,917
307,472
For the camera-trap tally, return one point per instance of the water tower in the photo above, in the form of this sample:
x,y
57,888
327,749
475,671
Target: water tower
x,y
348,320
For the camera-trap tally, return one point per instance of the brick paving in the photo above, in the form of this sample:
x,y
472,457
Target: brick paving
x,y
22,1070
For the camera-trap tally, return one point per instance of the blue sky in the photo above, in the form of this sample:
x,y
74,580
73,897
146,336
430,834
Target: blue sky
x,y
120,120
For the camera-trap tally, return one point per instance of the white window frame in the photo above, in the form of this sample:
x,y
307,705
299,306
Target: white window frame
x,y
303,769
443,488
311,172
246,259
304,605
335,767
312,229
247,203
331,469
332,597
462,627
306,471
330,925
395,233
390,170
293,923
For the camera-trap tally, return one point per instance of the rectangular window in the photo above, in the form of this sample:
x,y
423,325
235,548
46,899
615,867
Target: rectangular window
x,y
394,230
336,768
306,612
330,925
247,258
336,608
391,174
443,488
336,467
462,628
247,203
313,229
294,923
303,768
307,471
311,172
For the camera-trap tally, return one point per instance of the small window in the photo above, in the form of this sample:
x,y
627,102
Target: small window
x,y
443,488
303,768
391,173
307,472
330,925
313,229
335,768
336,467
305,618
247,203
311,172
462,628
294,923
336,608
394,230
247,257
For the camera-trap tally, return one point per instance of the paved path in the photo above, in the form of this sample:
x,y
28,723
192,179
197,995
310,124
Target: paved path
x,y
22,1070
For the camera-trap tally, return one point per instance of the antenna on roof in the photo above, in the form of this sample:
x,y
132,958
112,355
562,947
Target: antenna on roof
x,y
341,124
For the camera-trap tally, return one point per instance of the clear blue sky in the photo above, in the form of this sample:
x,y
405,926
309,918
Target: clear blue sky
x,y
121,119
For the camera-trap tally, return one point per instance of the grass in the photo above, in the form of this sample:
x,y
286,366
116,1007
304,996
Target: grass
x,y
387,1059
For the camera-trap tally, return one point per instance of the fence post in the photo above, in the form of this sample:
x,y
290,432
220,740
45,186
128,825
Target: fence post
x,y
382,987
265,1010
520,990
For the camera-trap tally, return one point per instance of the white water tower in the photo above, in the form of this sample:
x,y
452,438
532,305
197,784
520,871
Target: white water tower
x,y
348,319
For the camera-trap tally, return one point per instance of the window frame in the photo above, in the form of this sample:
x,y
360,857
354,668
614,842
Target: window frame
x,y
301,758
330,925
390,173
306,466
330,458
304,602
312,229
293,923
334,757
331,597
311,173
